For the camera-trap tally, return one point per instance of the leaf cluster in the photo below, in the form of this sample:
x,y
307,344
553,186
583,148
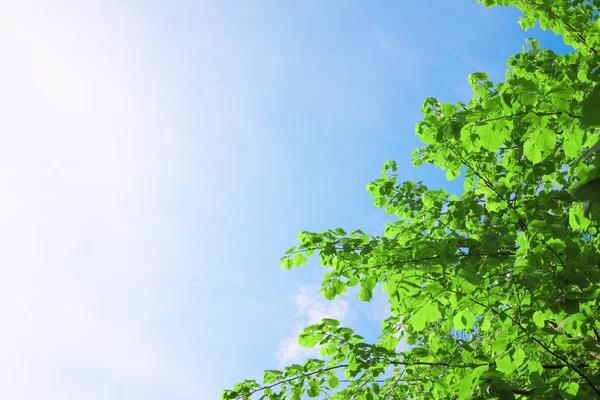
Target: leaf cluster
x,y
496,291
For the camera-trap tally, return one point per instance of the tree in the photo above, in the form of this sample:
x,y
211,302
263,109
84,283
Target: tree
x,y
512,262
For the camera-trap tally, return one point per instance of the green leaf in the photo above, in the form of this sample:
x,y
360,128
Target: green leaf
x,y
333,381
299,259
310,339
353,281
287,263
563,105
340,232
328,350
417,321
545,139
527,22
532,43
576,218
539,319
519,356
448,110
431,312
491,139
314,389
590,108
532,152
505,365
571,306
528,99
570,388
592,345
339,287
330,322
469,138
542,142
471,277
573,143
452,174
459,321
475,80
329,292
466,387
390,342
367,286
290,250
500,344
365,294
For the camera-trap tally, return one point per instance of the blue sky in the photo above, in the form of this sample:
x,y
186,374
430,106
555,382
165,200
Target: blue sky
x,y
159,157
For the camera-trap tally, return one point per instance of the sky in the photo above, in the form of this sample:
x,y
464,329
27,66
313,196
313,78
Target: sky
x,y
158,158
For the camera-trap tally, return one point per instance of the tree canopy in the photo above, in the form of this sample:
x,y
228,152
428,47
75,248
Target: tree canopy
x,y
513,263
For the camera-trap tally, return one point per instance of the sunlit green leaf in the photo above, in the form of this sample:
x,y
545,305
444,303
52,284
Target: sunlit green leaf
x,y
505,365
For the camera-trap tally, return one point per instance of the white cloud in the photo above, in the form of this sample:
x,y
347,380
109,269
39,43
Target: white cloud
x,y
84,160
310,304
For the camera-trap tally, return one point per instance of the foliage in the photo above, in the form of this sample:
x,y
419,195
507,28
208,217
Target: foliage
x,y
512,262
